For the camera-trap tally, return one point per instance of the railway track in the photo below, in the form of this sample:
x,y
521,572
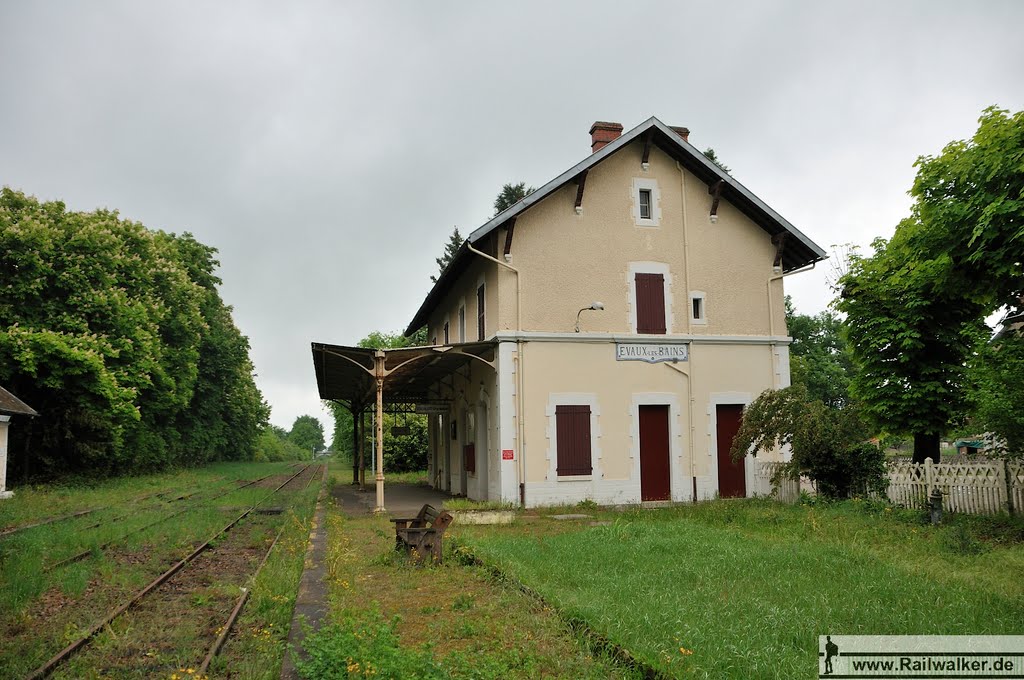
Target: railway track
x,y
10,531
86,553
226,550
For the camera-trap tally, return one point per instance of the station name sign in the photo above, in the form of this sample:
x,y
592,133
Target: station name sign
x,y
652,353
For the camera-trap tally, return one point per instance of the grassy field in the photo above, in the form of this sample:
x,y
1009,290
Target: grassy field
x,y
149,526
742,589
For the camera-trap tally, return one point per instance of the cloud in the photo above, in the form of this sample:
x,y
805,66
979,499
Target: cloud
x,y
327,149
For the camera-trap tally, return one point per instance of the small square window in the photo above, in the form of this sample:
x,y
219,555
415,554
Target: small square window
x,y
645,204
698,307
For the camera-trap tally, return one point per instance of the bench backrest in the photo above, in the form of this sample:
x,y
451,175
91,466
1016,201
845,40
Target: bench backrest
x,y
441,522
431,517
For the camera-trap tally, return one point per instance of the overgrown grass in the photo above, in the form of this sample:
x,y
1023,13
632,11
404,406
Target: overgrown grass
x,y
438,621
43,609
743,588
418,477
467,504
258,644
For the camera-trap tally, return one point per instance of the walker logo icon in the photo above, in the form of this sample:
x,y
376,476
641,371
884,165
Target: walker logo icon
x,y
921,656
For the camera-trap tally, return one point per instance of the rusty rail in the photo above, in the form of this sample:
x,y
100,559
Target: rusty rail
x,y
81,513
66,653
244,597
226,629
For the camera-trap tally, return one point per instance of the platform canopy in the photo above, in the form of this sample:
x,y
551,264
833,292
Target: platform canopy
x,y
411,374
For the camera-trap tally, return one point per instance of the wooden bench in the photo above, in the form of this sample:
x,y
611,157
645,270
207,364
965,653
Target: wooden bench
x,y
423,533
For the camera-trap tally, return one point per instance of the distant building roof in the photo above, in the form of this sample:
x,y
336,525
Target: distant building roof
x,y
10,405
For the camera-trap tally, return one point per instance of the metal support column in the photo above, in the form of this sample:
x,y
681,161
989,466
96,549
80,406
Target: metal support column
x,y
379,362
355,447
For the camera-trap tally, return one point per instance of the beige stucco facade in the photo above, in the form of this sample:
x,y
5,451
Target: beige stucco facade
x,y
563,259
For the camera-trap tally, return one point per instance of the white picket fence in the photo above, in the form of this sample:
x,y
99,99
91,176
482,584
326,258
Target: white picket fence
x,y
787,491
976,488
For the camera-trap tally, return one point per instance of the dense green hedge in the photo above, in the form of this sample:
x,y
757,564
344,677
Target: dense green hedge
x,y
117,335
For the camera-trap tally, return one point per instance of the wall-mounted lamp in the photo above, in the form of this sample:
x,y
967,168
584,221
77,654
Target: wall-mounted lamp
x,y
593,305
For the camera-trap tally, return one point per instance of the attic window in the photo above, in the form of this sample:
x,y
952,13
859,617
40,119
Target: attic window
x,y
645,204
644,200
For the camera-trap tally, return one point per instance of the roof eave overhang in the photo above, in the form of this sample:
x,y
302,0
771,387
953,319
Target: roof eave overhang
x,y
10,405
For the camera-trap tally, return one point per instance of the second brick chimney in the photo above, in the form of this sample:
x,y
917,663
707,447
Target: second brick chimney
x,y
682,132
601,133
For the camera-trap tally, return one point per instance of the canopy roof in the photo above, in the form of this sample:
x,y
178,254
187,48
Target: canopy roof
x,y
10,405
411,374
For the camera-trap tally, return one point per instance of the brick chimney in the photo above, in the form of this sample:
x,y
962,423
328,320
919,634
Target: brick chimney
x,y
682,132
601,133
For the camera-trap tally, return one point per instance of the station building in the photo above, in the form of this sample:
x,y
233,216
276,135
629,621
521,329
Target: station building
x,y
599,339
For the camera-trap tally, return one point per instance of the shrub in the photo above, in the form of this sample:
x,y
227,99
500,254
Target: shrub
x,y
828,444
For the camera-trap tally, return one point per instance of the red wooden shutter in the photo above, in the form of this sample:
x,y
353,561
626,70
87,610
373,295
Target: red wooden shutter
x,y
650,303
572,433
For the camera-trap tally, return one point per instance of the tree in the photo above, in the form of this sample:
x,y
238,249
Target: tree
x,y
710,154
971,196
402,453
998,392
273,445
450,249
819,358
511,194
915,308
307,433
910,339
828,444
116,334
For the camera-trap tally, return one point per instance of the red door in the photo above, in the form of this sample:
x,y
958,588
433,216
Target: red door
x,y
655,477
732,482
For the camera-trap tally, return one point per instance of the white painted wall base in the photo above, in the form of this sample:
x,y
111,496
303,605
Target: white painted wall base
x,y
6,494
602,492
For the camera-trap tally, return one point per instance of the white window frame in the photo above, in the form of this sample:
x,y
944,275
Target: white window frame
x,y
703,297
641,183
649,268
556,399
645,193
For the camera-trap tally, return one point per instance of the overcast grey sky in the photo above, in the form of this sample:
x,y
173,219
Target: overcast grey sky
x,y
328,148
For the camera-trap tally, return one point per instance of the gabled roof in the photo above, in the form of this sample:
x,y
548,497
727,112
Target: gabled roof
x,y
10,405
800,251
